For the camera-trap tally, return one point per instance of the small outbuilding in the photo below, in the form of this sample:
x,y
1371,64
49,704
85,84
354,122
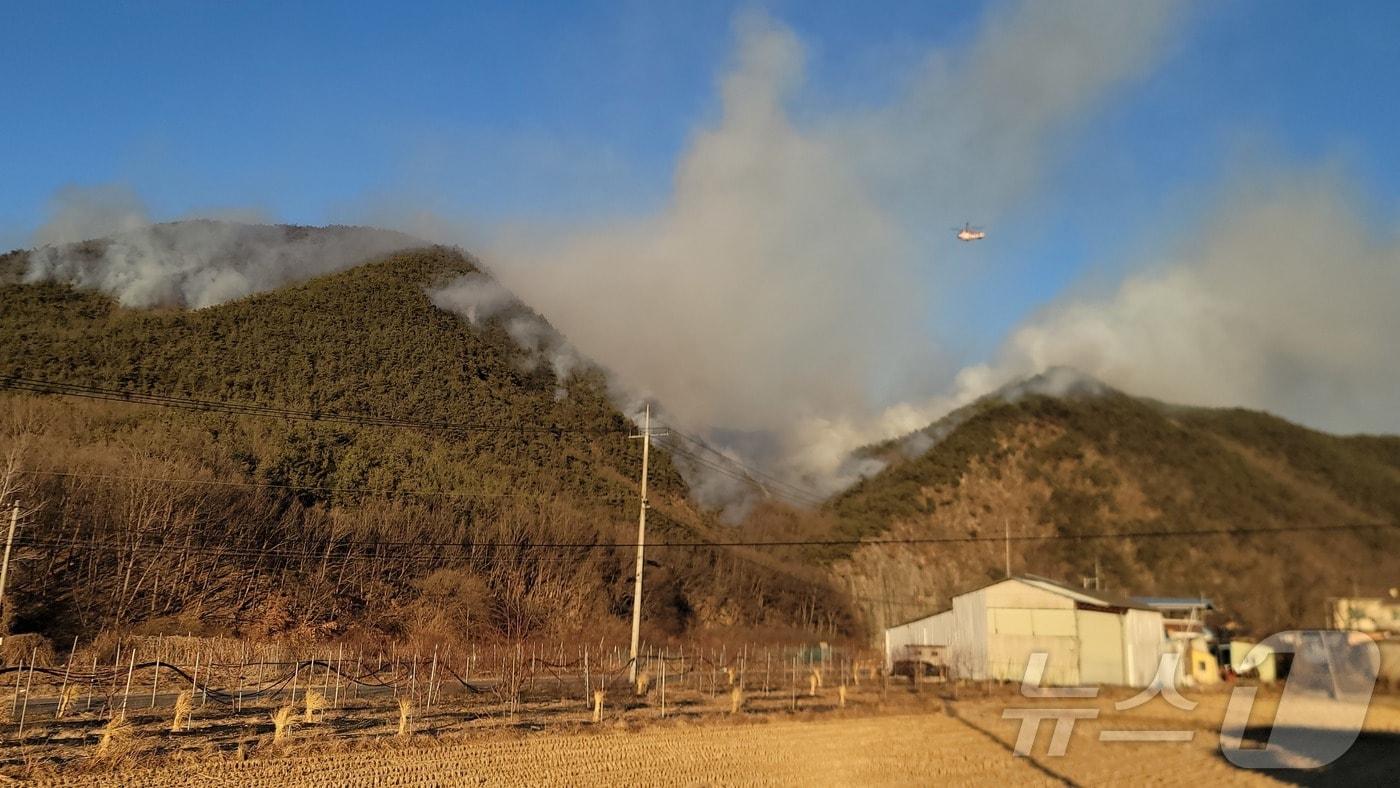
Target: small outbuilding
x,y
991,633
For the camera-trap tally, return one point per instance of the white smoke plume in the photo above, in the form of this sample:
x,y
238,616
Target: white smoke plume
x,y
479,299
192,264
778,290
1285,301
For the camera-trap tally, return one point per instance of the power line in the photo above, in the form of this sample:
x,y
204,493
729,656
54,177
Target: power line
x,y
738,476
795,489
246,409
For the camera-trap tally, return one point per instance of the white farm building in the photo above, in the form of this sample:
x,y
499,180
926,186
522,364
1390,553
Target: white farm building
x,y
991,632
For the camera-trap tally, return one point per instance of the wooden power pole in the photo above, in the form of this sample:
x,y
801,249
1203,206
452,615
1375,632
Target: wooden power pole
x,y
1006,524
641,542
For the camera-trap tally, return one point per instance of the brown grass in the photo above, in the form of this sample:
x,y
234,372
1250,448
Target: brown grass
x,y
405,715
282,722
116,737
67,700
184,709
315,702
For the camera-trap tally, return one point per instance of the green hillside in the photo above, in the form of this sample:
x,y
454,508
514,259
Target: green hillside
x,y
1102,463
314,528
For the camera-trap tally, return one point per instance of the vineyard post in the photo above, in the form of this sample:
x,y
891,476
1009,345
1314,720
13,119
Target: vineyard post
x,y
432,679
129,670
238,691
587,681
92,685
296,672
19,676
339,657
27,688
663,685
794,682
67,669
116,673
194,677
768,670
155,680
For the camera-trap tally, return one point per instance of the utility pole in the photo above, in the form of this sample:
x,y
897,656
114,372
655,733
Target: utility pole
x,y
641,543
5,568
1006,523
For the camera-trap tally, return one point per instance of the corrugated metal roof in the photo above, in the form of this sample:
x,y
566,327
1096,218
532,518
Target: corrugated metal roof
x,y
920,618
1097,598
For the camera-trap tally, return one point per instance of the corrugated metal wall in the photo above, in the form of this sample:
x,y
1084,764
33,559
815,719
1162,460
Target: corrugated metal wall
x,y
1100,647
935,630
1144,642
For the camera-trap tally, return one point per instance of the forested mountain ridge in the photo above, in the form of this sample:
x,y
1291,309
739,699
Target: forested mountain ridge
x,y
289,512
1086,464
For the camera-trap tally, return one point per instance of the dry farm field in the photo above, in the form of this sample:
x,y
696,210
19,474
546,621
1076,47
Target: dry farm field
x,y
881,736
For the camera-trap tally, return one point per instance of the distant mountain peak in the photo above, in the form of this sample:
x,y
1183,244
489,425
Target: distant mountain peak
x,y
1057,381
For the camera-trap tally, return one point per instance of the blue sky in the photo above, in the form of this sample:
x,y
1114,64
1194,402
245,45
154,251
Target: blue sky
x,y
566,111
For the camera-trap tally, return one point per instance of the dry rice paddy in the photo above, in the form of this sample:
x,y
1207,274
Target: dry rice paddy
x,y
900,739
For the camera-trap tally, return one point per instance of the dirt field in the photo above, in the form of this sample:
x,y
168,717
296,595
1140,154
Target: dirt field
x,y
897,739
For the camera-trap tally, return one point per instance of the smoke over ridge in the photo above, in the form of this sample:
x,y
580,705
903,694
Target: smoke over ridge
x,y
782,288
193,264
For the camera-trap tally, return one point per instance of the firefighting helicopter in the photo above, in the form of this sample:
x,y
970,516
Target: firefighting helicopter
x,y
969,233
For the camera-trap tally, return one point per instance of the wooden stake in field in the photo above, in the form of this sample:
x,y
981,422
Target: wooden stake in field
x,y
355,685
155,681
432,677
194,676
130,669
794,682
29,686
92,685
116,673
339,656
19,679
63,690
238,690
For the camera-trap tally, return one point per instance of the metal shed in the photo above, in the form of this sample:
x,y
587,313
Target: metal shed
x,y
1088,637
913,640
